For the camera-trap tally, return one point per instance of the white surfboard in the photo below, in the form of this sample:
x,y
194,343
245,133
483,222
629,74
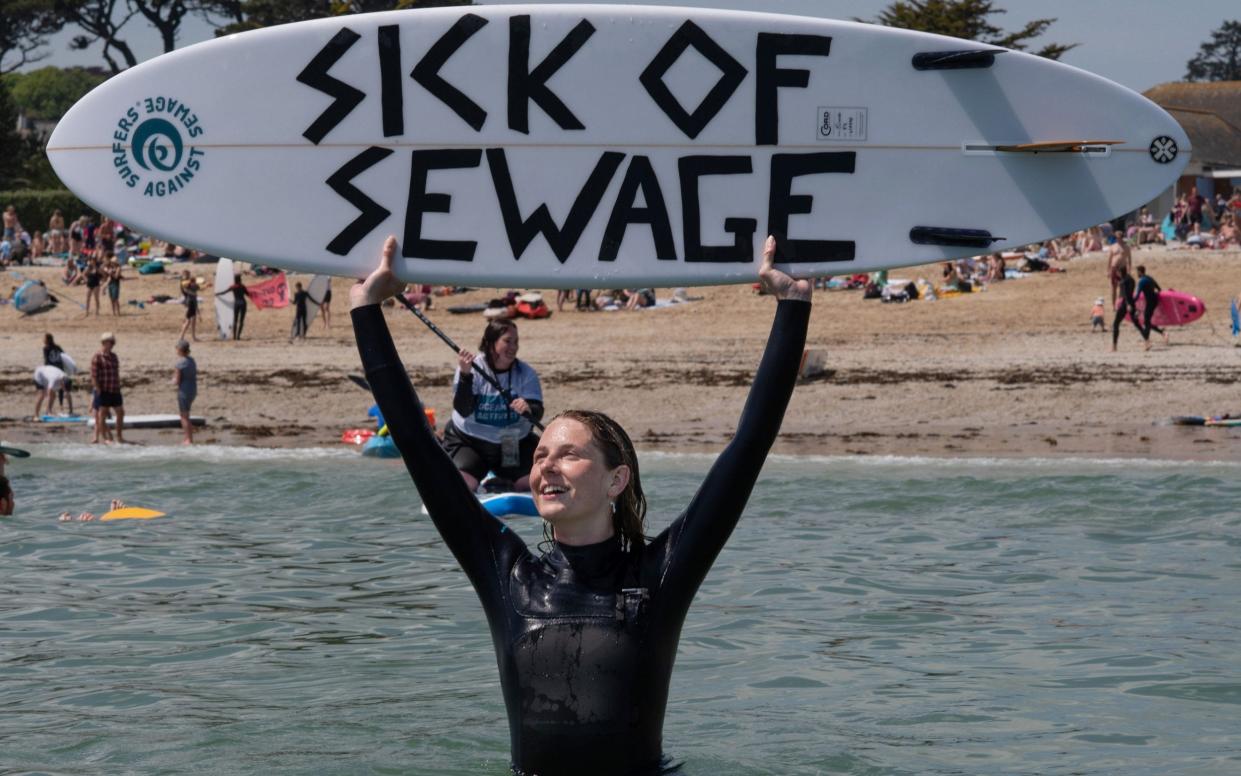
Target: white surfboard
x,y
224,301
608,146
151,421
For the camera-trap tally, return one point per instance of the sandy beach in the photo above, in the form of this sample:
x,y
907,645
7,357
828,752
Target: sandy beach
x,y
1014,371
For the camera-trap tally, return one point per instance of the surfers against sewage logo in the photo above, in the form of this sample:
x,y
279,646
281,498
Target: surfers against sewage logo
x,y
150,149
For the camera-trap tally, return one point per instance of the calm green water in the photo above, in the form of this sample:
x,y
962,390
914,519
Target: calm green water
x,y
296,615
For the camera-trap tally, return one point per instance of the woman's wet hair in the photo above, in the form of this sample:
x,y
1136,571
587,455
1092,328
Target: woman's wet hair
x,y
496,328
629,515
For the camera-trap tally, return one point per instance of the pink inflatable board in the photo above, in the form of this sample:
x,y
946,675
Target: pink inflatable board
x,y
1176,308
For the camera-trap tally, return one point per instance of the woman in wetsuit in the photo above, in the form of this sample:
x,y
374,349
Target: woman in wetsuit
x,y
490,430
238,290
586,633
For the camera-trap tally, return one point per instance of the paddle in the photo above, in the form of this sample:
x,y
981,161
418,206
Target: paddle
x,y
508,397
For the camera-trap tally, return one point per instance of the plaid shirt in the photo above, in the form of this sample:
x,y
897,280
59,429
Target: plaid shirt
x,y
105,372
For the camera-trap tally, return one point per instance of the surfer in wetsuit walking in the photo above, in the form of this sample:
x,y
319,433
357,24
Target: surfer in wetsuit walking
x,y
1149,290
586,633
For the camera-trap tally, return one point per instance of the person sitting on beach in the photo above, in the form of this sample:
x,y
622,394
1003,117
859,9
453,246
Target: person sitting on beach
x,y
1197,239
1228,235
640,297
586,628
56,237
491,431
996,268
952,280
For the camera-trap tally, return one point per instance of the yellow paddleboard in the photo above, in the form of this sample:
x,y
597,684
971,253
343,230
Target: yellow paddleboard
x,y
131,513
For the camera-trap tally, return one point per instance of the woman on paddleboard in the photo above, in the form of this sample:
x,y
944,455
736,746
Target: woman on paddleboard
x,y
586,633
491,431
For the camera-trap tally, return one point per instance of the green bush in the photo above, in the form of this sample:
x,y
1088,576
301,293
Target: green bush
x,y
34,208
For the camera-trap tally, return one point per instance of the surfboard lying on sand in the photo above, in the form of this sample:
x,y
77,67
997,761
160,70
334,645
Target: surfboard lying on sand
x,y
1175,308
152,421
595,146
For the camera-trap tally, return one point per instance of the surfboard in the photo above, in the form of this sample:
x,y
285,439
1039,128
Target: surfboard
x,y
69,366
152,421
131,513
16,452
595,146
63,418
224,301
1175,308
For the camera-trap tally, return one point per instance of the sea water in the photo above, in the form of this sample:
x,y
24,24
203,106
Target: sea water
x,y
295,614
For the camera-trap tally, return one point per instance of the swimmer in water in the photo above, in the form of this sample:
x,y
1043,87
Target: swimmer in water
x,y
586,632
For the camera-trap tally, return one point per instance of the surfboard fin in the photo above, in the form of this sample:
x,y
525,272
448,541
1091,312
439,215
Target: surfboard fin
x,y
943,235
1060,146
974,59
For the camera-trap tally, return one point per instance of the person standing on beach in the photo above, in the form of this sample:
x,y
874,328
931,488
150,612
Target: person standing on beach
x,y
325,307
1118,257
115,276
185,377
238,290
47,381
94,277
1149,290
105,377
189,296
301,314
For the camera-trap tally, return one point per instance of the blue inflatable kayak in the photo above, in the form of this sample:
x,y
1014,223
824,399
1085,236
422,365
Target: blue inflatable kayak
x,y
380,447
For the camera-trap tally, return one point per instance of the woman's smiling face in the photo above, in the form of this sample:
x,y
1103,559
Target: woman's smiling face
x,y
571,483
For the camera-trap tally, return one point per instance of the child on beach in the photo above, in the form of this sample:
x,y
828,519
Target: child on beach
x,y
1096,316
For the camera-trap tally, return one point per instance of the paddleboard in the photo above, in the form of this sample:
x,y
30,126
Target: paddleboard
x,y
506,505
152,421
223,300
131,513
1226,422
14,451
63,418
1175,308
595,146
380,447
31,297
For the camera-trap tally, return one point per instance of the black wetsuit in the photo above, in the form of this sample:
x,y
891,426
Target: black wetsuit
x,y
585,637
1149,290
239,309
